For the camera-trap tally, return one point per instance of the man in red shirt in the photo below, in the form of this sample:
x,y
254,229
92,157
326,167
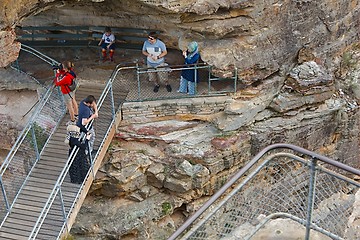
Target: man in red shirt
x,y
64,79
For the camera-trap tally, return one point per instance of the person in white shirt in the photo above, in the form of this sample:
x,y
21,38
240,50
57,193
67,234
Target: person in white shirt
x,y
155,50
107,42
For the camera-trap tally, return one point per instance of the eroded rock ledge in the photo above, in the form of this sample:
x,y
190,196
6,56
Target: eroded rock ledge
x,y
258,38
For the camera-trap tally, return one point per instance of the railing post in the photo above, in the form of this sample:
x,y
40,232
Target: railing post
x,y
311,197
112,101
138,79
63,207
4,194
91,159
195,78
209,79
17,66
35,142
235,80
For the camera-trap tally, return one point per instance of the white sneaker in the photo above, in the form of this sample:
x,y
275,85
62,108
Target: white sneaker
x,y
71,123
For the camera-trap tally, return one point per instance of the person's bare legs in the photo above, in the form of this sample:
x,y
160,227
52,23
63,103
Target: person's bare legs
x,y
69,106
75,106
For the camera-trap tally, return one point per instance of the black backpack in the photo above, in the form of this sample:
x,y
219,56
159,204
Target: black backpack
x,y
74,83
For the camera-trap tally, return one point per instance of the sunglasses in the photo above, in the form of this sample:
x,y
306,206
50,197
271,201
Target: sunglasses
x,y
151,38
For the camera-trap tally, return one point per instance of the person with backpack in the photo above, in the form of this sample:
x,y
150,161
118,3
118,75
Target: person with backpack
x,y
64,78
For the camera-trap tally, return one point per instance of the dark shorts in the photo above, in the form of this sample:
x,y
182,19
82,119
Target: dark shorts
x,y
104,46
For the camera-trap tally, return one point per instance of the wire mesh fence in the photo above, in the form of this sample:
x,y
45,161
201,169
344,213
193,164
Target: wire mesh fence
x,y
26,151
176,81
31,141
281,190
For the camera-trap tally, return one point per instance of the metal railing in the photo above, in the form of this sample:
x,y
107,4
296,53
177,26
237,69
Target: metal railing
x,y
308,189
20,160
297,187
205,84
80,36
107,103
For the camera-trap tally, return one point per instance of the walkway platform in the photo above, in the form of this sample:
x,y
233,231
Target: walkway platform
x,y
33,197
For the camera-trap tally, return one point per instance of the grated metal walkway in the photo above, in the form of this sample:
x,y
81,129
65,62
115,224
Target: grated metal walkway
x,y
31,200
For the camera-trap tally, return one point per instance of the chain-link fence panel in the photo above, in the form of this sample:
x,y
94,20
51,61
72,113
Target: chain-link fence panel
x,y
125,82
48,118
107,111
36,73
27,149
282,191
176,81
333,203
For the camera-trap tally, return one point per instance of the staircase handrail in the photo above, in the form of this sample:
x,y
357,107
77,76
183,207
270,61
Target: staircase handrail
x,y
41,103
39,54
10,156
72,155
249,165
24,132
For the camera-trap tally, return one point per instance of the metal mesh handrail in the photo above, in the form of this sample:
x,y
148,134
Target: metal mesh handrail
x,y
50,61
204,83
29,138
280,214
39,55
173,67
210,204
193,80
56,191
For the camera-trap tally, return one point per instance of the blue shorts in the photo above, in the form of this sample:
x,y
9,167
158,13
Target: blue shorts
x,y
104,46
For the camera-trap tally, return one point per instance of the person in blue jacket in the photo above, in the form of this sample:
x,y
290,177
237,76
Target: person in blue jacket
x,y
189,77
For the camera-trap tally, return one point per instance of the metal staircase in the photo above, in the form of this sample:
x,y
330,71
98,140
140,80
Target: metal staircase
x,y
37,199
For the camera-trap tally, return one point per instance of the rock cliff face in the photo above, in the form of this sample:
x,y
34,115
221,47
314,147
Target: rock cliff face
x,y
298,66
260,38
